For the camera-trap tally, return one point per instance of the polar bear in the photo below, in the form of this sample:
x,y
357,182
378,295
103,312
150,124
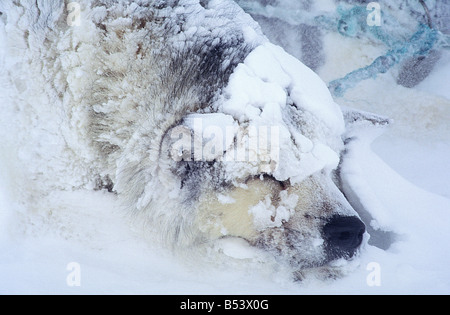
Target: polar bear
x,y
186,111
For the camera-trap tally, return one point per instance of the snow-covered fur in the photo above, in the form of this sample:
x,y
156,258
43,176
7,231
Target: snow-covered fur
x,y
98,89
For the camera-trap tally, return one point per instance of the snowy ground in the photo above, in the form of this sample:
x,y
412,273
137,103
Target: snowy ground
x,y
405,172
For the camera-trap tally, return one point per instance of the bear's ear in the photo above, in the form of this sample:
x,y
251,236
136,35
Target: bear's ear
x,y
359,123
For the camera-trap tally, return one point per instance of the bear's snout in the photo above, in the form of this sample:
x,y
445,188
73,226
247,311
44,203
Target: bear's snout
x,y
343,236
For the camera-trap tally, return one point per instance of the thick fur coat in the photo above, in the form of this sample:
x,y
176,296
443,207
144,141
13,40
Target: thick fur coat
x,y
98,86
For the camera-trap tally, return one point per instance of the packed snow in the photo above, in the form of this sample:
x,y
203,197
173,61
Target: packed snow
x,y
257,92
399,177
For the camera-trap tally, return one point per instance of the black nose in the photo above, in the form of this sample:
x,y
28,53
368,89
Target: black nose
x,y
343,235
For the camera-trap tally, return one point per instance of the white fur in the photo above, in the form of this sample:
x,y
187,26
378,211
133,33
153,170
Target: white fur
x,y
94,104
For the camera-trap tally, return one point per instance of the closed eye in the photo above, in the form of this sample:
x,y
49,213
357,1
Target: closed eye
x,y
267,177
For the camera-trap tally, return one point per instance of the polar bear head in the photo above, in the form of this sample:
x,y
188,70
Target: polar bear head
x,y
259,164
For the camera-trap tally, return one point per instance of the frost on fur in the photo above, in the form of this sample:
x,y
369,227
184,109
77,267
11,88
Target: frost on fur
x,y
97,104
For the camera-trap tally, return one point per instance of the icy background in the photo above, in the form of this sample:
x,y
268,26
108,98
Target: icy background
x,y
402,179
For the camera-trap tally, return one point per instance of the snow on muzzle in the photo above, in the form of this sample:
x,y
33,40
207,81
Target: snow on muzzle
x,y
323,226
340,237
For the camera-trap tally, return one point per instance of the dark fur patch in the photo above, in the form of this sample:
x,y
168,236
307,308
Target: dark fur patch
x,y
194,176
104,182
